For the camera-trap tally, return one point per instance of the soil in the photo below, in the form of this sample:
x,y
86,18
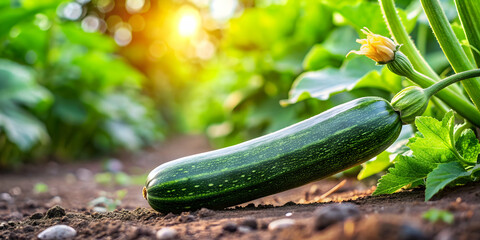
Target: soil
x,y
24,212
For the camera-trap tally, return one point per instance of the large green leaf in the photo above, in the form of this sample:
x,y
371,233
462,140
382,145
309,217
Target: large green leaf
x,y
21,128
468,146
406,171
123,135
437,143
9,17
441,176
319,57
18,85
18,88
329,81
369,14
132,116
332,51
341,41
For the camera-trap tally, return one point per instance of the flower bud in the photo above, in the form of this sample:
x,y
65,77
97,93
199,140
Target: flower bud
x,y
410,102
401,65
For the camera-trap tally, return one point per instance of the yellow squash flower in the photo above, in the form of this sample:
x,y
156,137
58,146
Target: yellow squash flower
x,y
378,48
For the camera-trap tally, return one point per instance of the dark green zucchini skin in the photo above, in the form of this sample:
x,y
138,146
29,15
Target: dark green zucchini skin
x,y
320,146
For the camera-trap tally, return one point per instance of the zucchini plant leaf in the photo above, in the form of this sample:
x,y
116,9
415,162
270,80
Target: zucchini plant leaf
x,y
332,51
437,143
468,146
327,82
367,14
444,174
407,170
437,157
320,57
380,163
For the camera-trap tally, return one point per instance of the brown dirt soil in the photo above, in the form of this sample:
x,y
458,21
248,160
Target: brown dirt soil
x,y
24,213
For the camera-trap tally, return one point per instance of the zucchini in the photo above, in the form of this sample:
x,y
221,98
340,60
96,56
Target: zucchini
x,y
320,146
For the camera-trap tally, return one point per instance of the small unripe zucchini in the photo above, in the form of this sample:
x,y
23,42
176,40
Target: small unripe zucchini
x,y
320,146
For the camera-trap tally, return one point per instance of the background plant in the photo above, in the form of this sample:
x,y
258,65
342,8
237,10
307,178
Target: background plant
x,y
65,93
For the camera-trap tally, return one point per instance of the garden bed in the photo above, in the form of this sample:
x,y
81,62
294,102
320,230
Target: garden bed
x,y
24,212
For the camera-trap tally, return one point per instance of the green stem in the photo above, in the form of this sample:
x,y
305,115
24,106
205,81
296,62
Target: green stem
x,y
451,46
402,66
469,13
422,34
400,35
432,90
459,104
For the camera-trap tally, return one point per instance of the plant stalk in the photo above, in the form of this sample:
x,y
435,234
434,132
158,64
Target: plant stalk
x,y
400,35
469,13
451,46
457,103
435,88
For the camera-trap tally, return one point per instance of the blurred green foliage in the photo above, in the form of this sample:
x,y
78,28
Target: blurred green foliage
x,y
68,91
65,93
435,215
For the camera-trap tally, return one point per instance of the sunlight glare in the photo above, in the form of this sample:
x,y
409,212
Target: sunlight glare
x,y
223,10
135,5
189,22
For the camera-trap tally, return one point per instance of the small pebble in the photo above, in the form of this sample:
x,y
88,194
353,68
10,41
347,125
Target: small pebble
x,y
36,215
15,191
167,233
58,232
230,227
281,224
113,165
3,225
56,211
99,209
249,222
243,229
288,214
331,214
28,228
205,212
186,218
6,197
84,174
